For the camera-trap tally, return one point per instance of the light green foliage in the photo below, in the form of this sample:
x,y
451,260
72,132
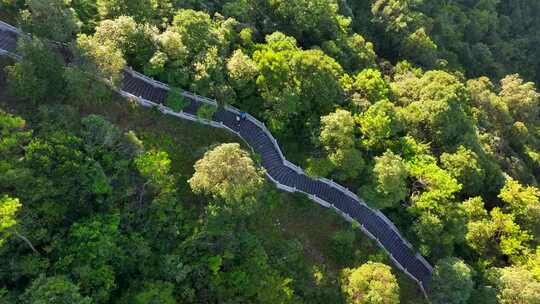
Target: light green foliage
x,y
13,136
349,163
191,53
464,166
209,76
481,232
441,220
533,263
521,98
38,76
51,19
227,172
337,130
105,58
389,186
474,208
99,65
370,85
452,282
53,290
371,283
135,40
155,167
8,208
380,125
107,217
510,142
319,167
338,139
142,10
242,72
516,285
195,29
524,203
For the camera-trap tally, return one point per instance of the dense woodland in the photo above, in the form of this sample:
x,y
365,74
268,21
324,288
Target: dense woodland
x,y
429,110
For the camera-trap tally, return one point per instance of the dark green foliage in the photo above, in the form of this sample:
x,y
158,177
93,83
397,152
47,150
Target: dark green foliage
x,y
206,111
452,282
38,77
54,290
343,246
176,101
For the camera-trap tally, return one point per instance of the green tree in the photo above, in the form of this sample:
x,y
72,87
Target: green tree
x,y
521,98
38,76
337,130
441,219
389,186
51,19
439,111
242,72
353,52
452,282
297,86
309,21
524,203
227,172
369,84
141,10
175,100
371,283
135,40
464,166
155,167
338,139
515,285
90,254
53,290
97,67
397,16
419,47
195,29
155,292
343,246
8,208
510,239
380,126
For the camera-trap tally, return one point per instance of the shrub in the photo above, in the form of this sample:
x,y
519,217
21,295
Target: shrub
x,y
175,100
206,111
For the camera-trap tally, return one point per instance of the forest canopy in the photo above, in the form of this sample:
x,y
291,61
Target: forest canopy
x,y
428,110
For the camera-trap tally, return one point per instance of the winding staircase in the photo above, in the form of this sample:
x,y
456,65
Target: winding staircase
x,y
287,176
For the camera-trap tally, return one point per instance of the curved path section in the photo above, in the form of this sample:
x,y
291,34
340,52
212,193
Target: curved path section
x,y
285,175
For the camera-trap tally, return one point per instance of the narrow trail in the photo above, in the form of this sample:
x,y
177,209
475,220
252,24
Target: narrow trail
x,y
287,176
